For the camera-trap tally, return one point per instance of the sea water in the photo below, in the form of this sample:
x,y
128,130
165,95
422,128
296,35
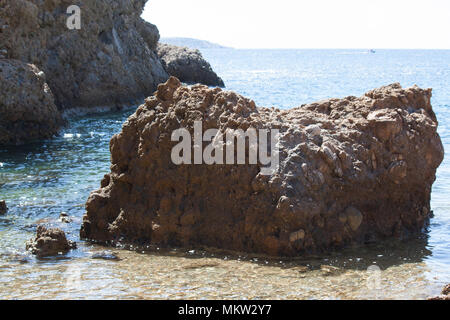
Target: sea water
x,y
41,180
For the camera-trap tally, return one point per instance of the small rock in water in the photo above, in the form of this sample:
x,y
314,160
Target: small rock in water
x,y
64,218
3,207
106,255
49,242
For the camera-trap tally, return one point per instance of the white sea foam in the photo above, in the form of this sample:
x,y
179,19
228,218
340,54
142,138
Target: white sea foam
x,y
72,135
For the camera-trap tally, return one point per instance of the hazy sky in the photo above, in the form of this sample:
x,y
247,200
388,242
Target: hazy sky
x,y
306,24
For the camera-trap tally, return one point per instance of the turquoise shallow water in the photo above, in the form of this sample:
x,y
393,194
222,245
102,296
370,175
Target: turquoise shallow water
x,y
41,180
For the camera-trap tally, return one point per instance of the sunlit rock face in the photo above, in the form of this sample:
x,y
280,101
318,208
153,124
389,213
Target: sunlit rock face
x,y
109,61
352,170
27,109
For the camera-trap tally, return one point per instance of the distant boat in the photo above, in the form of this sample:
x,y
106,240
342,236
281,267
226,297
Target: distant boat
x,y
372,51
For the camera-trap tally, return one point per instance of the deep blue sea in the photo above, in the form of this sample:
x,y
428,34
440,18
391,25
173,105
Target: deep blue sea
x,y
41,180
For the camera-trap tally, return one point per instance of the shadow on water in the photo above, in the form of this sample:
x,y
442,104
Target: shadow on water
x,y
384,254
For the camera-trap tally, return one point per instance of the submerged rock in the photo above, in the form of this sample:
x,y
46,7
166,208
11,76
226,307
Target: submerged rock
x,y
49,242
64,218
188,65
106,255
3,207
327,270
109,61
27,109
350,171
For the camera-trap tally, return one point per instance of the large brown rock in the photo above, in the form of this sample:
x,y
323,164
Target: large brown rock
x,y
188,65
351,170
27,108
110,61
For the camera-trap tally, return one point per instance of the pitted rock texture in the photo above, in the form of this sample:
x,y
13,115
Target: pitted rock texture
x,y
49,242
188,65
110,61
27,109
351,170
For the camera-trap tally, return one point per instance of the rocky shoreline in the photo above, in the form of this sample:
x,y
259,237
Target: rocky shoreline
x,y
110,60
109,63
352,170
349,171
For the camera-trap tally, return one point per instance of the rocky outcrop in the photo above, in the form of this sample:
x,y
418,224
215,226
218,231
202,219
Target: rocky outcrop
x,y
110,61
188,65
27,109
49,242
351,170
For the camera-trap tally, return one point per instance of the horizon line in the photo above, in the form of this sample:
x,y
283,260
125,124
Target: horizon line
x,y
322,48
296,48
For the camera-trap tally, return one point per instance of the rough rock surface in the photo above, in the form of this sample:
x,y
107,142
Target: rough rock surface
x,y
188,65
110,61
3,207
49,242
27,109
351,170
